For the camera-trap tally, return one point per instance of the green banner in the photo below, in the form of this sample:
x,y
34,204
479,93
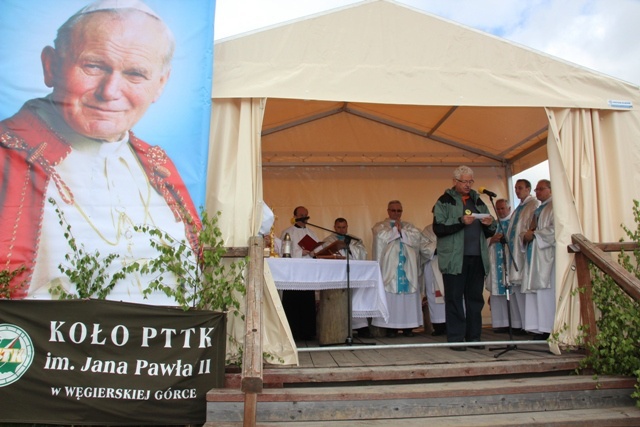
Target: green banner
x,y
105,362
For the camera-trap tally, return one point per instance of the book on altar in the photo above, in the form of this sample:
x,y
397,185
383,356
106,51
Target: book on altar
x,y
308,243
332,251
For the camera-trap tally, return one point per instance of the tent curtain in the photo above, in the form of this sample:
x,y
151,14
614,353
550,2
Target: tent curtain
x,y
585,147
235,168
235,189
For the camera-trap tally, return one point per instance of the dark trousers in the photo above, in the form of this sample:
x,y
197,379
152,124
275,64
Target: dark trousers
x,y
463,301
300,308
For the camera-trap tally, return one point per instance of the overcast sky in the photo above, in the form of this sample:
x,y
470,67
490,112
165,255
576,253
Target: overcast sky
x,y
603,35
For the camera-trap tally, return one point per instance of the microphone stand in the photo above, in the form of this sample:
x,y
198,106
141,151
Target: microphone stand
x,y
505,248
349,340
334,232
347,239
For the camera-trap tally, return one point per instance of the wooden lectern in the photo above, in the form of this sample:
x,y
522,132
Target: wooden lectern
x,y
332,313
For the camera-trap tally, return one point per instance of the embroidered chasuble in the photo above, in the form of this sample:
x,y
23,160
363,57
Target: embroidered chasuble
x,y
403,282
397,255
534,225
500,262
511,237
518,225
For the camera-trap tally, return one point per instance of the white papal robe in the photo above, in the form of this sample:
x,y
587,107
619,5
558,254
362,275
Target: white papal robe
x,y
112,195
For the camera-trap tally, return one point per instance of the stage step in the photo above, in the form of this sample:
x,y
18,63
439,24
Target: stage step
x,y
290,376
600,417
436,400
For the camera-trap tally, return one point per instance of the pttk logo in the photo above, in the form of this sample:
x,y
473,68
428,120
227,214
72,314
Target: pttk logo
x,y
16,353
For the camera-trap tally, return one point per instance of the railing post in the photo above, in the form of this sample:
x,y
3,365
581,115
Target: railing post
x,y
587,252
626,280
252,380
587,309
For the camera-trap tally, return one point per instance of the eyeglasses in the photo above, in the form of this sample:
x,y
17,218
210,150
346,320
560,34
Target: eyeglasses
x,y
540,189
470,182
395,210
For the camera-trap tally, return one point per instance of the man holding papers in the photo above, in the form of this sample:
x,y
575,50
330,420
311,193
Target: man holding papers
x,y
463,256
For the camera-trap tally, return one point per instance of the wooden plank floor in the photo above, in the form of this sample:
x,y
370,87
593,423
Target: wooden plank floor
x,y
381,355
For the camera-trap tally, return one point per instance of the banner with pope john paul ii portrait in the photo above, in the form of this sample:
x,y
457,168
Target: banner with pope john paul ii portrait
x,y
104,122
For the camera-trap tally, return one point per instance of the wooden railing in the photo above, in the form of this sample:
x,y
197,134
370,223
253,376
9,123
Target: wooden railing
x,y
252,379
589,252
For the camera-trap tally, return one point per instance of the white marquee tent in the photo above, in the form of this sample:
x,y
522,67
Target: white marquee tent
x,y
346,110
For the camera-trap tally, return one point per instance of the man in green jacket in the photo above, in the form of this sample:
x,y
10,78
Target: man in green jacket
x,y
462,222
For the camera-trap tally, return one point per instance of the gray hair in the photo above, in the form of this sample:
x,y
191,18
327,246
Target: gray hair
x,y
62,43
506,202
462,170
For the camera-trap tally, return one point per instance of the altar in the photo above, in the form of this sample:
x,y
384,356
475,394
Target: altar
x,y
368,298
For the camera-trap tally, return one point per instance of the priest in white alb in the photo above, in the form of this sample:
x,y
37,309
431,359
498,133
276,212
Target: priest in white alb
x,y
396,246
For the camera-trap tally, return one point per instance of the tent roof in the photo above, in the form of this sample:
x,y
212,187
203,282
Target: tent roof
x,y
412,57
381,83
354,134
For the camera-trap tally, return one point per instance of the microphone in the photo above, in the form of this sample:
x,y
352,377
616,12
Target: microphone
x,y
487,192
303,219
393,224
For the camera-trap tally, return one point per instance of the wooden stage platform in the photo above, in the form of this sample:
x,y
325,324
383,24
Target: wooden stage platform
x,y
430,350
419,380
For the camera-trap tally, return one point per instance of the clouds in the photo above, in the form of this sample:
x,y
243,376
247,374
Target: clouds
x,y
492,16
599,34
240,16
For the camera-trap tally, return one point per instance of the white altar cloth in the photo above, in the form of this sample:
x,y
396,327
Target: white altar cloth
x,y
368,298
